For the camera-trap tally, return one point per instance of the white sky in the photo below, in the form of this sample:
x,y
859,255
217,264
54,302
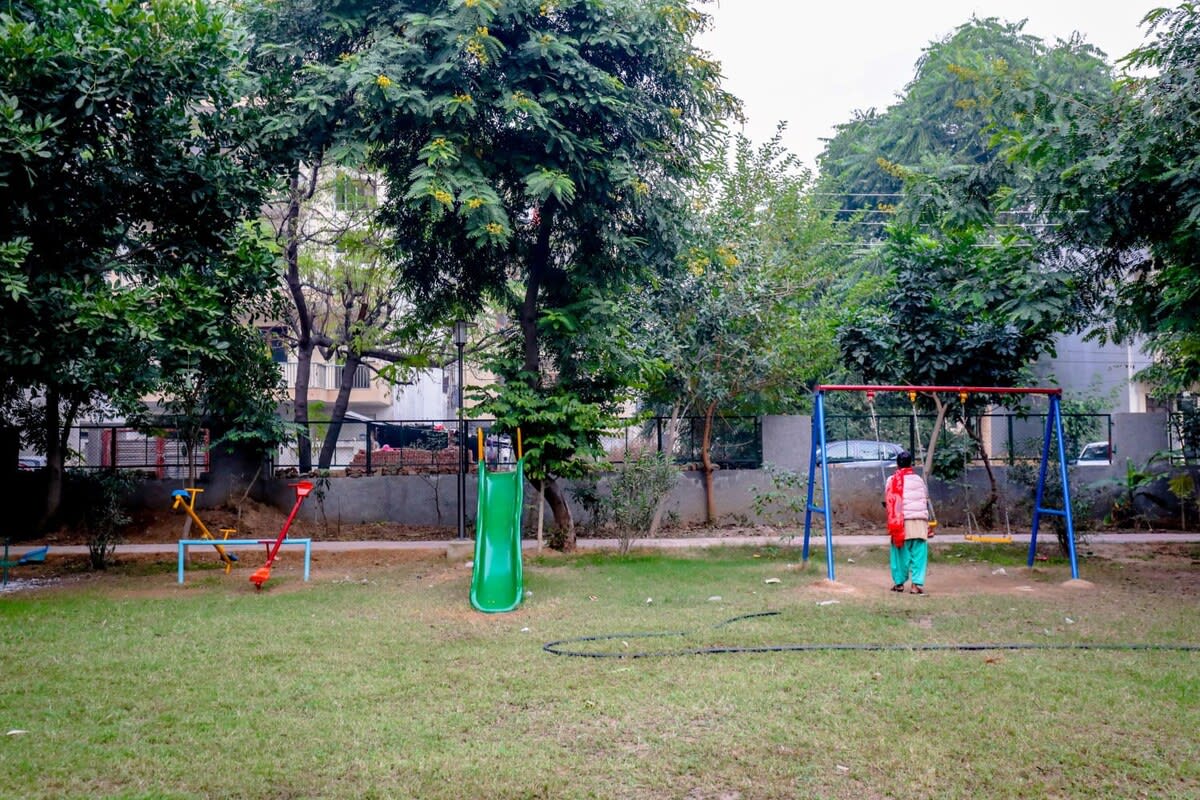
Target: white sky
x,y
812,64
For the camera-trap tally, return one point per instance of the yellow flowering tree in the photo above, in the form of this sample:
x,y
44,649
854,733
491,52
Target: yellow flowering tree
x,y
541,154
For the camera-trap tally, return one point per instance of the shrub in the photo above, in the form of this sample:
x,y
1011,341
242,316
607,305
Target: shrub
x,y
785,502
99,504
635,488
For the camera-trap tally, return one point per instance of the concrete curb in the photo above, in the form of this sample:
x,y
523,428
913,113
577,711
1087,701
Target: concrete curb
x,y
839,541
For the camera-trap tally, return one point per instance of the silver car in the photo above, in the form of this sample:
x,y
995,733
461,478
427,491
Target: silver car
x,y
861,453
1095,454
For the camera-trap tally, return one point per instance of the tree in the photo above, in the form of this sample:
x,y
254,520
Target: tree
x,y
974,296
744,325
307,119
339,271
942,127
1119,178
538,151
125,179
965,309
347,302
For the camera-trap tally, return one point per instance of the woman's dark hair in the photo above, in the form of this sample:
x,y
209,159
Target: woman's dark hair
x,y
903,459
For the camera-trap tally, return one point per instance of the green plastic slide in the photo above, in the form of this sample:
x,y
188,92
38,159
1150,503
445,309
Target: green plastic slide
x,y
496,585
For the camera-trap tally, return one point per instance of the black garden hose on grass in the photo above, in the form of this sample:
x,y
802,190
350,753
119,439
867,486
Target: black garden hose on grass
x,y
560,647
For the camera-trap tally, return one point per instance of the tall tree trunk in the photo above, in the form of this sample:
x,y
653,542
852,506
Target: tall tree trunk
x,y
557,499
539,260
300,404
339,410
927,466
669,451
55,458
57,432
710,505
304,337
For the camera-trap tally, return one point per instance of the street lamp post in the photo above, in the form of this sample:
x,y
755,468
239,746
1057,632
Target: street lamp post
x,y
460,341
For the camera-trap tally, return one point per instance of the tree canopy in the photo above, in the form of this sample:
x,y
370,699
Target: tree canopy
x,y
538,153
125,184
941,127
1119,179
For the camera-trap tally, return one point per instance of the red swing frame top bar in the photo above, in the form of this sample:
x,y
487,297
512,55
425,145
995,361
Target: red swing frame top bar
x,y
971,389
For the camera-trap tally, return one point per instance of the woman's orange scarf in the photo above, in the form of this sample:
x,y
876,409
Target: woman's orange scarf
x,y
894,495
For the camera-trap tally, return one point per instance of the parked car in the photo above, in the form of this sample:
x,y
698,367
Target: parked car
x,y
1095,454
861,453
31,462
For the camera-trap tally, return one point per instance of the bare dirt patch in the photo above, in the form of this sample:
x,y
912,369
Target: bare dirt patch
x,y
1167,569
255,521
1153,569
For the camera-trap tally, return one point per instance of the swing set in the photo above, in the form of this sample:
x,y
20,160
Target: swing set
x,y
1053,430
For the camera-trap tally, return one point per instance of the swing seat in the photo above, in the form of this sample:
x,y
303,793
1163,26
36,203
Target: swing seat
x,y
989,538
37,556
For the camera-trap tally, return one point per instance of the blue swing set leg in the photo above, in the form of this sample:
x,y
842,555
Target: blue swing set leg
x,y
1054,427
818,441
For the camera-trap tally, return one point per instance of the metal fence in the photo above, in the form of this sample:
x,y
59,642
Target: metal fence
x,y
1010,438
369,446
158,452
735,442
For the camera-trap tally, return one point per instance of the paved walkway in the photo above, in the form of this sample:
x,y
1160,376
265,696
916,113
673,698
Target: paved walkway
x,y
817,540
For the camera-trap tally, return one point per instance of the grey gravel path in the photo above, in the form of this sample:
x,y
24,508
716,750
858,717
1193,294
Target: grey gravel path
x,y
817,539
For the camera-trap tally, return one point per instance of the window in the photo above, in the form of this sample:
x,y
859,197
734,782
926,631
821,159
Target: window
x,y
352,194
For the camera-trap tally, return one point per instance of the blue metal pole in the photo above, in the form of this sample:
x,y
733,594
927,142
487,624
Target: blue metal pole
x,y
1056,410
1041,482
819,441
825,509
818,426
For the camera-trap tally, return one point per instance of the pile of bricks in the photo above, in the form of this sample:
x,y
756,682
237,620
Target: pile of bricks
x,y
405,461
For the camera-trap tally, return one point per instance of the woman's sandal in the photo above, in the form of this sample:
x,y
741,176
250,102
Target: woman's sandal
x,y
899,587
917,589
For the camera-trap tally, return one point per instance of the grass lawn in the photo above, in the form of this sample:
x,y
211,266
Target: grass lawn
x,y
378,680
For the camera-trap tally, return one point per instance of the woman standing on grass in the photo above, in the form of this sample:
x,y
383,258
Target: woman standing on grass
x,y
907,500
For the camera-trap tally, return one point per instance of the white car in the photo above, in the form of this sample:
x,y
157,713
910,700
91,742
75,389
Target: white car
x,y
1095,454
861,453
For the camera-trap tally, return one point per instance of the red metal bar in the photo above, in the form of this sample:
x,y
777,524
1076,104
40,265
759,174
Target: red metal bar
x,y
970,389
303,489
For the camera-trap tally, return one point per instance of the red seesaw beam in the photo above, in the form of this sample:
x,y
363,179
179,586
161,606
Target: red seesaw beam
x,y
957,389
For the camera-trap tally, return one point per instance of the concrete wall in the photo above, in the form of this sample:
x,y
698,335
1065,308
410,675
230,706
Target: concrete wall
x,y
1138,436
1089,369
856,492
787,441
408,499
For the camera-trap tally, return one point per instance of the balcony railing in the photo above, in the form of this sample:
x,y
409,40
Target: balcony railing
x,y
327,376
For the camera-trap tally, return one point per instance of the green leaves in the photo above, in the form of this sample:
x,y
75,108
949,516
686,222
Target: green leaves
x,y
125,175
1115,175
545,183
963,311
